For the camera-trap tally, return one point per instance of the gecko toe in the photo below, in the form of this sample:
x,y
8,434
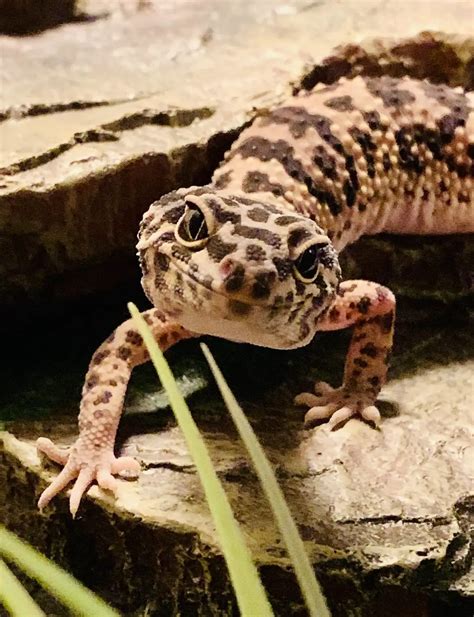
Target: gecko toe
x,y
307,399
84,480
47,447
339,417
126,467
371,414
57,485
316,414
106,481
323,389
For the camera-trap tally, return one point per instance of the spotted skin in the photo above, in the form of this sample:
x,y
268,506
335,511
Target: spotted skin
x,y
253,256
370,308
92,458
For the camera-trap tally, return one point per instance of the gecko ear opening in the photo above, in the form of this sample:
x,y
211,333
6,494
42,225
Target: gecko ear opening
x,y
192,230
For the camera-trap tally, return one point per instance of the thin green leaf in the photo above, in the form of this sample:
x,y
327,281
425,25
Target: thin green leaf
x,y
63,586
310,587
248,588
14,597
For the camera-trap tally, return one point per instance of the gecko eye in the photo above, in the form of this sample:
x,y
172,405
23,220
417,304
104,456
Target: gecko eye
x,y
307,264
192,230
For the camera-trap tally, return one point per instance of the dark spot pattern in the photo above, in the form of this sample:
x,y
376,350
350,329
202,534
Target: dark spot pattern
x,y
363,305
218,249
91,381
304,329
259,215
223,180
124,352
258,233
258,182
457,102
239,308
373,120
389,90
262,285
283,152
99,356
368,149
298,235
173,215
103,398
254,252
340,103
134,338
284,267
159,315
369,350
162,262
235,280
286,220
407,159
386,322
224,215
325,162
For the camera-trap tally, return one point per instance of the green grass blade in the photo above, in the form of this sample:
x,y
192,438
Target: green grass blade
x,y
14,597
251,596
310,587
61,585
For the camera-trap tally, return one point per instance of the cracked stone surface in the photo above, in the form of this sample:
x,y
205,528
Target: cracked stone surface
x,y
103,115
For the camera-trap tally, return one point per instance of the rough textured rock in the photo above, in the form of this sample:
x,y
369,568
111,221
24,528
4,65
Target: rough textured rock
x,y
383,513
102,116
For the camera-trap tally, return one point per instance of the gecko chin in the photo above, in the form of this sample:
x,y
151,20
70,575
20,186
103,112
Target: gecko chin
x,y
237,268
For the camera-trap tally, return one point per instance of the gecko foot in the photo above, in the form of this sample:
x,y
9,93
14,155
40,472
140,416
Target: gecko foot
x,y
336,405
85,466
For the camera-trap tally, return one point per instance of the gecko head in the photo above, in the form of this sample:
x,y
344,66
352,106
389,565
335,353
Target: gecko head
x,y
237,268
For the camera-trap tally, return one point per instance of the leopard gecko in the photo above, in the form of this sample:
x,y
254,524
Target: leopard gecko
x,y
253,256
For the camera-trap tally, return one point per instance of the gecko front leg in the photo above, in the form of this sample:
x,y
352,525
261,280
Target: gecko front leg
x,y
370,308
91,458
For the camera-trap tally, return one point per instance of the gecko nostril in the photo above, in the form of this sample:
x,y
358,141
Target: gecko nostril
x,y
226,267
233,274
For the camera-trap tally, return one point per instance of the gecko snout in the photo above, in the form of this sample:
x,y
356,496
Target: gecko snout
x,y
236,278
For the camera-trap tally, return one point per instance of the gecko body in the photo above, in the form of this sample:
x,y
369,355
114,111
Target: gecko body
x,y
253,256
